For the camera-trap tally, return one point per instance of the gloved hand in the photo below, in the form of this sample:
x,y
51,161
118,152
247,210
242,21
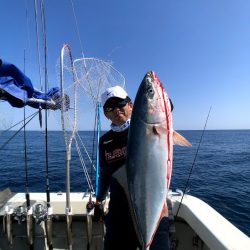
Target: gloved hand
x,y
90,205
98,212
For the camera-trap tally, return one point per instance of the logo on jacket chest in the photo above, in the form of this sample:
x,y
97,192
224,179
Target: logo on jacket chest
x,y
116,154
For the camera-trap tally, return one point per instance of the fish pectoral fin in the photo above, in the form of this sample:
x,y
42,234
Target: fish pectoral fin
x,y
158,130
121,176
180,140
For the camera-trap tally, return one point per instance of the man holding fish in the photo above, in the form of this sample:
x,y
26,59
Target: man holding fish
x,y
136,165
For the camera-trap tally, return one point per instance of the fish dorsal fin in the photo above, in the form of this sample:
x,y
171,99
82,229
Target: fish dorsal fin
x,y
180,140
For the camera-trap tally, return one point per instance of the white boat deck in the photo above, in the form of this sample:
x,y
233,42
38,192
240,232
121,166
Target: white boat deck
x,y
212,227
198,226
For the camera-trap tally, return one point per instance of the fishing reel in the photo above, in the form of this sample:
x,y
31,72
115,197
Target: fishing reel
x,y
40,212
19,214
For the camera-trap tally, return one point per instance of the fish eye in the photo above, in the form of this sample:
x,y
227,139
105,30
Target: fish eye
x,y
150,92
149,88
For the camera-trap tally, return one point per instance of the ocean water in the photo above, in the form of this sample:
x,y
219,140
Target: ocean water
x,y
220,176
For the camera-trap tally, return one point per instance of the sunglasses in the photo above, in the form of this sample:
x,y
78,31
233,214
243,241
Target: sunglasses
x,y
118,104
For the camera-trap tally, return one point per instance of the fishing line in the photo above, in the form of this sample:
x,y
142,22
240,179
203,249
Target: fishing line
x,y
18,130
195,157
8,129
77,28
38,46
85,68
27,29
95,122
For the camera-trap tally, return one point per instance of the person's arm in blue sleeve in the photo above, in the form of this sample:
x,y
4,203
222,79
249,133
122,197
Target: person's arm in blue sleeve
x,y
103,186
104,176
21,80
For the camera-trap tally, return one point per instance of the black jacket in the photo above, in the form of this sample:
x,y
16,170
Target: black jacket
x,y
112,153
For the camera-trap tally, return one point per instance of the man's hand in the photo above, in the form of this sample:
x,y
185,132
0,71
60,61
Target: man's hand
x,y
98,212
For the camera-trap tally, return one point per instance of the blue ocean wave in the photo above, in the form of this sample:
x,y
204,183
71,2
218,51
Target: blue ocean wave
x,y
220,173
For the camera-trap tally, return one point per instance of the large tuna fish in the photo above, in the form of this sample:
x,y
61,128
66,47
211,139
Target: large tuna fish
x,y
149,158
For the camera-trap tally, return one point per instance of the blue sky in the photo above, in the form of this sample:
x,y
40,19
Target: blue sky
x,y
199,49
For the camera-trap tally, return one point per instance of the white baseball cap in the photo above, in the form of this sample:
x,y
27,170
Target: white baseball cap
x,y
116,91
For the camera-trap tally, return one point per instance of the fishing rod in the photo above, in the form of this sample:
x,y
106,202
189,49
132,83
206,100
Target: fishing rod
x,y
19,212
29,210
192,166
38,58
41,212
97,146
90,205
25,153
48,219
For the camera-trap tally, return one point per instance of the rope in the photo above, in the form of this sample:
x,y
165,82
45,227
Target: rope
x,y
86,151
84,167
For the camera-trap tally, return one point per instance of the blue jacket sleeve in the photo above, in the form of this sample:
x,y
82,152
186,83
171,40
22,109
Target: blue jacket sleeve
x,y
104,176
19,78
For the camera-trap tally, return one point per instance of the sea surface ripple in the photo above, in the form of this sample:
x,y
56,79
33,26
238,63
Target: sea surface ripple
x,y
220,176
